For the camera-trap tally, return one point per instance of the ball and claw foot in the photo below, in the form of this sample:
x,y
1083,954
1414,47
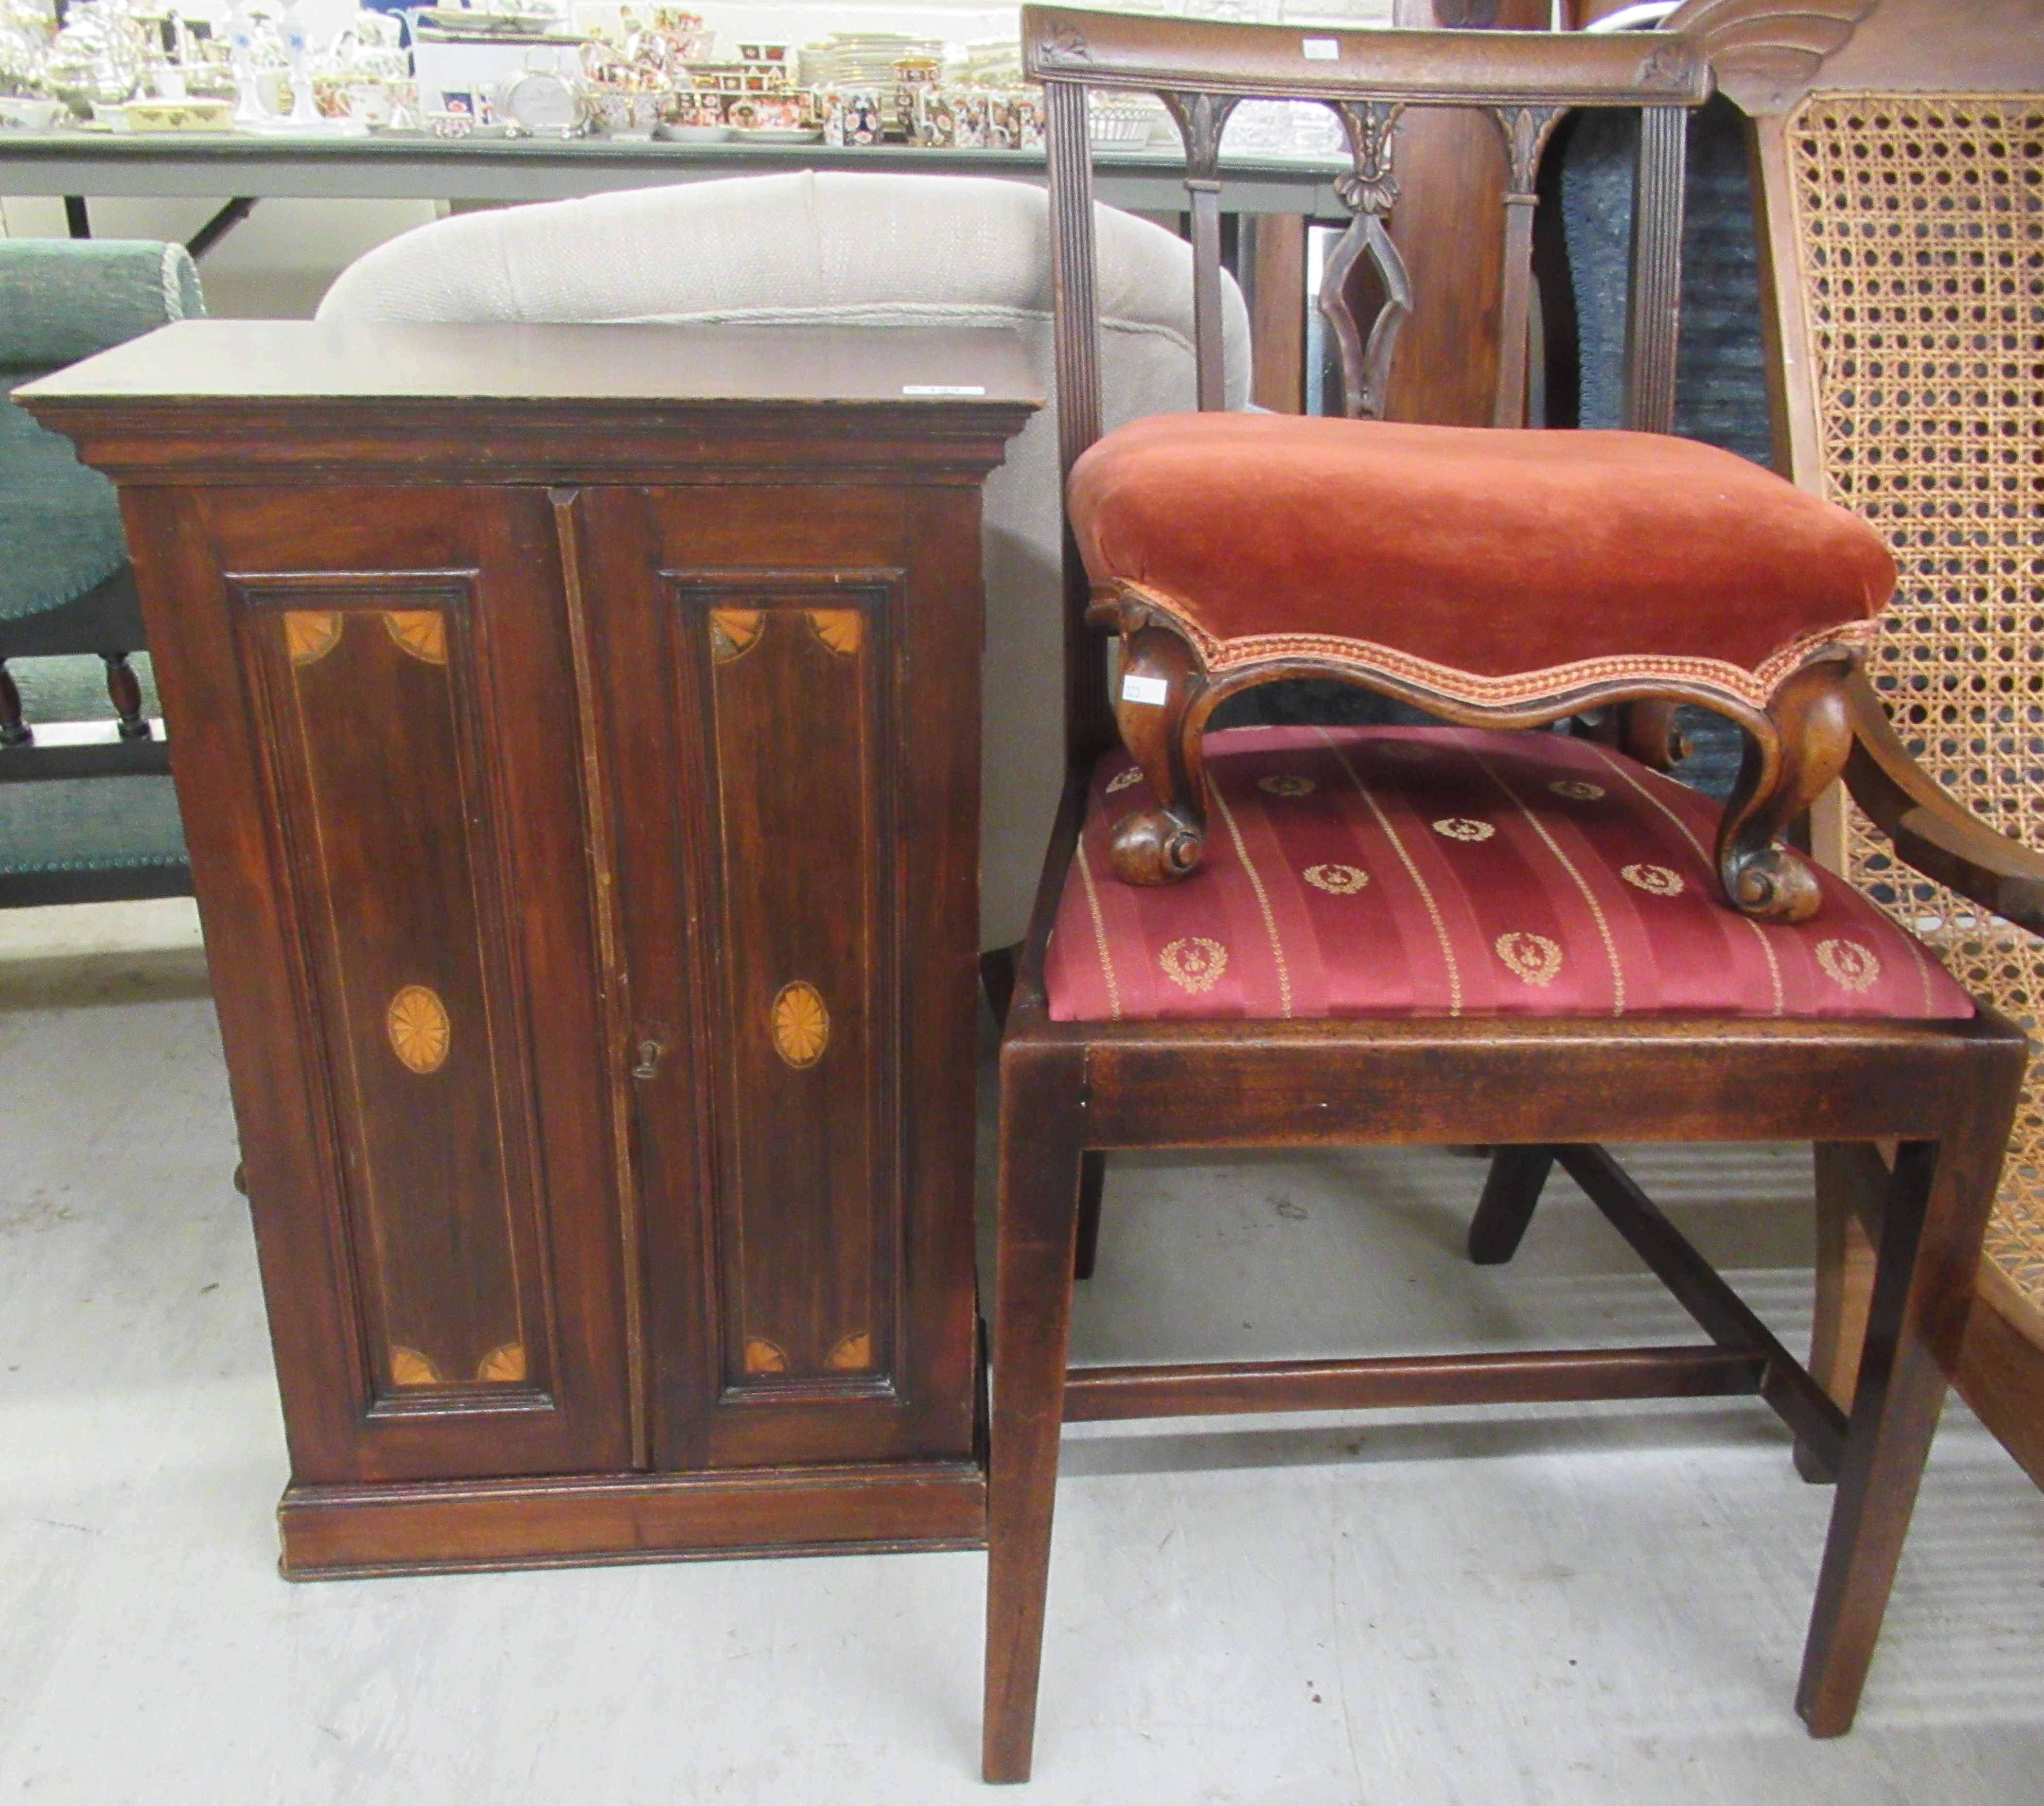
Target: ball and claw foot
x,y
1152,847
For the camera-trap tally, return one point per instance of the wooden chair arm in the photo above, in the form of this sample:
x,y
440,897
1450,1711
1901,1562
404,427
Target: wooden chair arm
x,y
1930,829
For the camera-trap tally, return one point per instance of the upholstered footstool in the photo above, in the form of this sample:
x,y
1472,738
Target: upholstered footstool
x,y
1498,578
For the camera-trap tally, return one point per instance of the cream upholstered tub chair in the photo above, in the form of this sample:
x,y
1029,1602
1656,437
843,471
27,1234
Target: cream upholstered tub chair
x,y
867,249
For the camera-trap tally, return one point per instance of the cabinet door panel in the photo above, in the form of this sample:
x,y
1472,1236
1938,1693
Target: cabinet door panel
x,y
797,936
368,688
804,1075
424,972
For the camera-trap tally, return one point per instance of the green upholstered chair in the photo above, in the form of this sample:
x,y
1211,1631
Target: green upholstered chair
x,y
86,812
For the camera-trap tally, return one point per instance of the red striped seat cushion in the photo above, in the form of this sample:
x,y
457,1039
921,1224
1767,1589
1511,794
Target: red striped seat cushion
x,y
1446,871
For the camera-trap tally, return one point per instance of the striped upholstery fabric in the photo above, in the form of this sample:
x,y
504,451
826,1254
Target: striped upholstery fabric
x,y
1441,871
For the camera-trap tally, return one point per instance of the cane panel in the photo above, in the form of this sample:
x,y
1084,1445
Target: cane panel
x,y
1920,227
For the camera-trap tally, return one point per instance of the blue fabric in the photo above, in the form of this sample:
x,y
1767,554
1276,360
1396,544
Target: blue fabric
x,y
59,522
85,824
61,299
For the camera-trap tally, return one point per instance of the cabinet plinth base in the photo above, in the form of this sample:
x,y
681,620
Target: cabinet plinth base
x,y
574,1520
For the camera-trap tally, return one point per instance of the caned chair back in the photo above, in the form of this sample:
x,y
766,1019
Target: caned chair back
x,y
1903,197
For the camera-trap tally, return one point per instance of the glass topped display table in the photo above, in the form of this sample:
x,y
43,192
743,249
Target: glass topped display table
x,y
476,168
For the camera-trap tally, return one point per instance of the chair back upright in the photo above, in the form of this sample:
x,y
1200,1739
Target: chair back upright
x,y
1526,81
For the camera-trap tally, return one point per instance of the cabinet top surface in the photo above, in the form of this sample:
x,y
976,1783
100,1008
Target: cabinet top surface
x,y
287,360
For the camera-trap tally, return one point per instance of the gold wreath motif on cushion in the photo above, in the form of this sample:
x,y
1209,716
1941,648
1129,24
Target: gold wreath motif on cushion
x,y
1533,958
1656,880
422,632
1193,962
1461,828
733,633
419,1032
1122,780
1336,881
839,629
764,1357
1576,789
1285,784
1848,963
800,1023
310,634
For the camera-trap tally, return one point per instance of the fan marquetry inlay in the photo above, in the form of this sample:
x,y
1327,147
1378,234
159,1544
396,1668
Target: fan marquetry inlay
x,y
419,1029
422,632
851,1353
409,1368
310,634
840,629
503,1366
733,633
801,1025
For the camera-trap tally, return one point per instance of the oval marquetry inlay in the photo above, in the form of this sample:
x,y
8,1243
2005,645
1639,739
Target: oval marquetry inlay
x,y
852,1353
422,632
801,1025
504,1366
839,629
764,1357
419,1029
310,634
409,1368
733,633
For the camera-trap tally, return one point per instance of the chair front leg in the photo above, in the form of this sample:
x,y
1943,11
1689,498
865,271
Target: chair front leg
x,y
1038,1233
1160,681
1793,757
1935,1214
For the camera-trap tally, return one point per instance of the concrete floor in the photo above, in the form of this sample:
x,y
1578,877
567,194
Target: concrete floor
x,y
1569,1606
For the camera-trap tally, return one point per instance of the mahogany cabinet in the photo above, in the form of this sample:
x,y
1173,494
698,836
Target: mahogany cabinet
x,y
576,729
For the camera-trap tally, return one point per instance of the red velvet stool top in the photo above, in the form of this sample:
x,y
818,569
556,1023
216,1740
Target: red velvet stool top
x,y
1487,564
1448,871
